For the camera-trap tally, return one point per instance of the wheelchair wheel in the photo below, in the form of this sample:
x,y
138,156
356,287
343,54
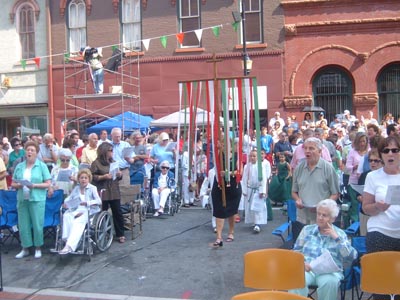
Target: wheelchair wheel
x,y
103,235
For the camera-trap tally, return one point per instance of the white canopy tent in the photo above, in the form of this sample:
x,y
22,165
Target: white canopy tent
x,y
182,118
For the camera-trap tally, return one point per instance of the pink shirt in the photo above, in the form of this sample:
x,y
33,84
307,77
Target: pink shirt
x,y
299,155
353,159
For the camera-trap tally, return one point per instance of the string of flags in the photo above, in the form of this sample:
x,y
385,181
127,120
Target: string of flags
x,y
146,42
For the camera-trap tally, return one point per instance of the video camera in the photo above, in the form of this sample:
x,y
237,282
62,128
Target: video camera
x,y
88,53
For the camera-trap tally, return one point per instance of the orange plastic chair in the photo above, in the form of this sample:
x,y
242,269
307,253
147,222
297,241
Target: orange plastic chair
x,y
380,273
274,269
268,295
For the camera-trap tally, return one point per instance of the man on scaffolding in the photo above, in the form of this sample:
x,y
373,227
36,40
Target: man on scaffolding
x,y
92,58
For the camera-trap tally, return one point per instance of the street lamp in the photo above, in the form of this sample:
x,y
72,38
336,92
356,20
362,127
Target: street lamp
x,y
241,17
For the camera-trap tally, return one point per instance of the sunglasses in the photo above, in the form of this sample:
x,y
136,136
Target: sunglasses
x,y
377,161
65,160
111,150
15,145
394,150
165,168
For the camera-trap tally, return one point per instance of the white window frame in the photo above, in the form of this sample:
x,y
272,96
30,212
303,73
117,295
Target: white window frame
x,y
76,25
191,15
131,25
26,53
252,11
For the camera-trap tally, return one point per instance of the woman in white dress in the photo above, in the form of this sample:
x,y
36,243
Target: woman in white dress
x,y
83,197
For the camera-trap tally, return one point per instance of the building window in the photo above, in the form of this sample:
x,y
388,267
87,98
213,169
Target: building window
x,y
76,25
333,91
189,20
254,21
389,90
26,30
131,24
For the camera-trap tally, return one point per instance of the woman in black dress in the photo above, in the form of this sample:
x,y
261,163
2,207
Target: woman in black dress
x,y
233,193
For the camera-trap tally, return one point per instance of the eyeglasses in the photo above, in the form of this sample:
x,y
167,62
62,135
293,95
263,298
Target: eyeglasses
x,y
165,168
65,160
377,161
394,150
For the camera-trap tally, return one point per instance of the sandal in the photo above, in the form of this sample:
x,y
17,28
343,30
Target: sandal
x,y
218,243
122,239
230,238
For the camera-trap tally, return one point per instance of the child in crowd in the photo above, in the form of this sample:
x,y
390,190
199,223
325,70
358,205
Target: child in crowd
x,y
281,184
254,192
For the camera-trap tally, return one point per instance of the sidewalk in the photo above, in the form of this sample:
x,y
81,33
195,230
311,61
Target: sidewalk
x,y
10,293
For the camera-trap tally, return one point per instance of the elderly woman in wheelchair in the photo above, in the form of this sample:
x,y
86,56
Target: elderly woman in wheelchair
x,y
83,201
162,187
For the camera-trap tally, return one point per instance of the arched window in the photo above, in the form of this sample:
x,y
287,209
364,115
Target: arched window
x,y
26,29
76,22
333,91
389,90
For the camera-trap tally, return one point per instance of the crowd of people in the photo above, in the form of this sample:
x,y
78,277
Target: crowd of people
x,y
315,163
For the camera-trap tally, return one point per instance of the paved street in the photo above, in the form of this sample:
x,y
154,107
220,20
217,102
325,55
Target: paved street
x,y
171,259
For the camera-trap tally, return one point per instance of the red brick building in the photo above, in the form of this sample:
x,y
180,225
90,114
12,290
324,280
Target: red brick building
x,y
342,55
338,54
159,69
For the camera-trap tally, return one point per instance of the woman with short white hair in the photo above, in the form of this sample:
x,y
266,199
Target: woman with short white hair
x,y
161,152
63,176
320,240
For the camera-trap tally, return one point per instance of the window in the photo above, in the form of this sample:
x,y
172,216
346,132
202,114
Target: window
x,y
389,90
76,25
333,91
253,16
131,24
189,20
26,30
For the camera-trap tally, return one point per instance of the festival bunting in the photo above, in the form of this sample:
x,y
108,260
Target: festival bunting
x,y
180,36
199,33
163,40
37,61
23,63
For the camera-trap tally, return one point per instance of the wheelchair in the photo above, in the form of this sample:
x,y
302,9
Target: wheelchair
x,y
97,235
173,203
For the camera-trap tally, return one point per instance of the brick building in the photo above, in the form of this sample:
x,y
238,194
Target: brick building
x,y
159,69
342,55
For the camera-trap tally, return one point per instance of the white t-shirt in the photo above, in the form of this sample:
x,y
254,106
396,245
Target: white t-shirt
x,y
387,222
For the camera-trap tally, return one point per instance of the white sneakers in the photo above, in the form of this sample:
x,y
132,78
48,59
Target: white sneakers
x,y
256,229
25,253
67,249
22,254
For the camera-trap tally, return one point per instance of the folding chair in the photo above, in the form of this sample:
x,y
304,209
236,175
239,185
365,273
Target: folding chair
x,y
52,213
290,230
380,273
131,207
9,215
274,269
358,242
268,295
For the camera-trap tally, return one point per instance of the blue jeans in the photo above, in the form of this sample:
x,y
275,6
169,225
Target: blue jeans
x,y
98,80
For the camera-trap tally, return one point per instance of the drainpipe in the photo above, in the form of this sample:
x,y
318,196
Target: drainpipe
x,y
50,72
